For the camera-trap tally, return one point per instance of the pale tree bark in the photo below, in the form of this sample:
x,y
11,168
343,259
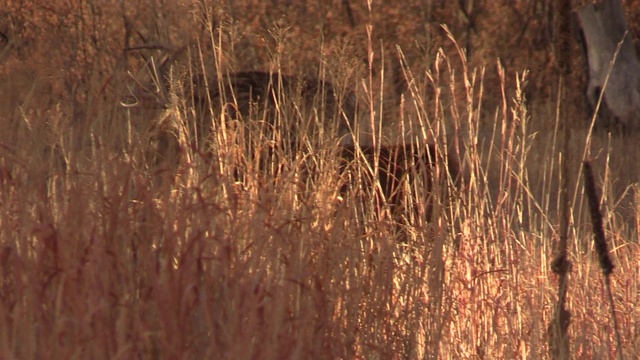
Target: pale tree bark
x,y
605,29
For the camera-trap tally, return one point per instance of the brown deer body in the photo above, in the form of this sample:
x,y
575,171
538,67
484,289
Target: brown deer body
x,y
296,106
275,109
259,106
415,180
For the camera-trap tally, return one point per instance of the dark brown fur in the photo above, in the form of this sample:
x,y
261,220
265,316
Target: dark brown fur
x,y
255,94
397,164
268,106
299,108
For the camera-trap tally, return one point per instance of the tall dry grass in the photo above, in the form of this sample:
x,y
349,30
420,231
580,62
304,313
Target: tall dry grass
x,y
98,259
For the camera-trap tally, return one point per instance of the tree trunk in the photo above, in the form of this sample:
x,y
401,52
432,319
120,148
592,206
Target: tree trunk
x,y
604,26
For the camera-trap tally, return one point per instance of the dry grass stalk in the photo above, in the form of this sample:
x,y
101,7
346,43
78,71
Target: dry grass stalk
x,y
98,261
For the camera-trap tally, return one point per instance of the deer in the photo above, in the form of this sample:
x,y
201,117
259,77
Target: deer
x,y
294,112
409,179
270,103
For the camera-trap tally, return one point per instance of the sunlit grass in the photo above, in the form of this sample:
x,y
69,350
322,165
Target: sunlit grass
x,y
107,252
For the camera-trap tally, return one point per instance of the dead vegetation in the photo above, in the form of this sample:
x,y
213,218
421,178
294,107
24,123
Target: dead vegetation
x,y
105,254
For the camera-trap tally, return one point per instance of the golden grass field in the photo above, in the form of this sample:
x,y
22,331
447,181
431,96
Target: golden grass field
x,y
107,254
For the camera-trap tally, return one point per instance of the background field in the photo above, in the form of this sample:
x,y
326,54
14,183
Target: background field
x,y
104,255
